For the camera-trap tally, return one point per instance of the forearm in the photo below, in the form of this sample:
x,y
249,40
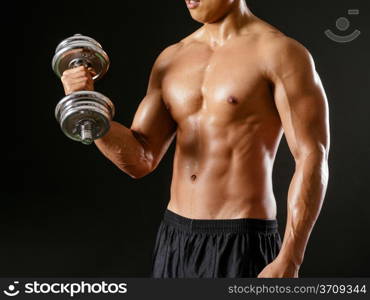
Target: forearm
x,y
122,146
305,197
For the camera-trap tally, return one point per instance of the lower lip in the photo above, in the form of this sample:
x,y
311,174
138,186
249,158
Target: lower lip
x,y
192,4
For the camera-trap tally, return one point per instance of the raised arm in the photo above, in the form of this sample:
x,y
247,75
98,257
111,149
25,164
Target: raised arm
x,y
301,102
138,150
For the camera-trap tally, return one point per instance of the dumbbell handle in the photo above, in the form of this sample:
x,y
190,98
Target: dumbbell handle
x,y
86,132
86,127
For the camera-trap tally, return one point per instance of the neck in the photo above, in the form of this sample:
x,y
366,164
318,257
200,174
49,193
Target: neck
x,y
217,33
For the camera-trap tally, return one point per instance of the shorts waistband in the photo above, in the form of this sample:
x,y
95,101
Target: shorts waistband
x,y
220,225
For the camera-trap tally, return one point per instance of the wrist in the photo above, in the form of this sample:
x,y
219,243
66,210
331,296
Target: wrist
x,y
288,260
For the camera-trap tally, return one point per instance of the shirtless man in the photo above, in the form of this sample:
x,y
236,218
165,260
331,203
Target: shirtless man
x,y
227,92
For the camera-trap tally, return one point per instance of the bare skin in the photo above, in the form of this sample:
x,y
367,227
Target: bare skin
x,y
228,92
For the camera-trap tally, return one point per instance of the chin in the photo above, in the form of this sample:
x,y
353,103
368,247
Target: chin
x,y
204,18
199,18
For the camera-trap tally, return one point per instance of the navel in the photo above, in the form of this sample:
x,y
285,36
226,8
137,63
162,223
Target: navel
x,y
232,100
193,177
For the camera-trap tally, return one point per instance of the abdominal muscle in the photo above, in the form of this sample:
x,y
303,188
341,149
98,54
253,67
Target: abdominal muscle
x,y
223,173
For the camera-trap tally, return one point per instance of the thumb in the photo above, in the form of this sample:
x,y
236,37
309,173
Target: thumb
x,y
92,72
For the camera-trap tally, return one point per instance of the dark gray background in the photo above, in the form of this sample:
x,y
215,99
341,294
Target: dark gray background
x,y
67,211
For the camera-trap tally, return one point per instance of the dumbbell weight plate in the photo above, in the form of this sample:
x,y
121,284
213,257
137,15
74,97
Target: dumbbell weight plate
x,y
80,50
74,111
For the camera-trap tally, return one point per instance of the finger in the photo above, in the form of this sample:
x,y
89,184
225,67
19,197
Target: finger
x,y
77,87
79,75
74,70
81,81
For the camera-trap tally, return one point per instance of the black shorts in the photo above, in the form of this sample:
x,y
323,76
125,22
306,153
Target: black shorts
x,y
232,248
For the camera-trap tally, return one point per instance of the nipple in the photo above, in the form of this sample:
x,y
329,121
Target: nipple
x,y
232,100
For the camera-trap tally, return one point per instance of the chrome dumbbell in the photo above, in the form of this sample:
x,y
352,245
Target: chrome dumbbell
x,y
85,115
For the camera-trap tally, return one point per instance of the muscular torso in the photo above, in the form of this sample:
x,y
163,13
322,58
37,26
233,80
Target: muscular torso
x,y
228,130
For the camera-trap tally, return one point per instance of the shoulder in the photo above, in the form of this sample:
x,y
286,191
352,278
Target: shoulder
x,y
171,50
277,44
280,52
272,45
167,55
